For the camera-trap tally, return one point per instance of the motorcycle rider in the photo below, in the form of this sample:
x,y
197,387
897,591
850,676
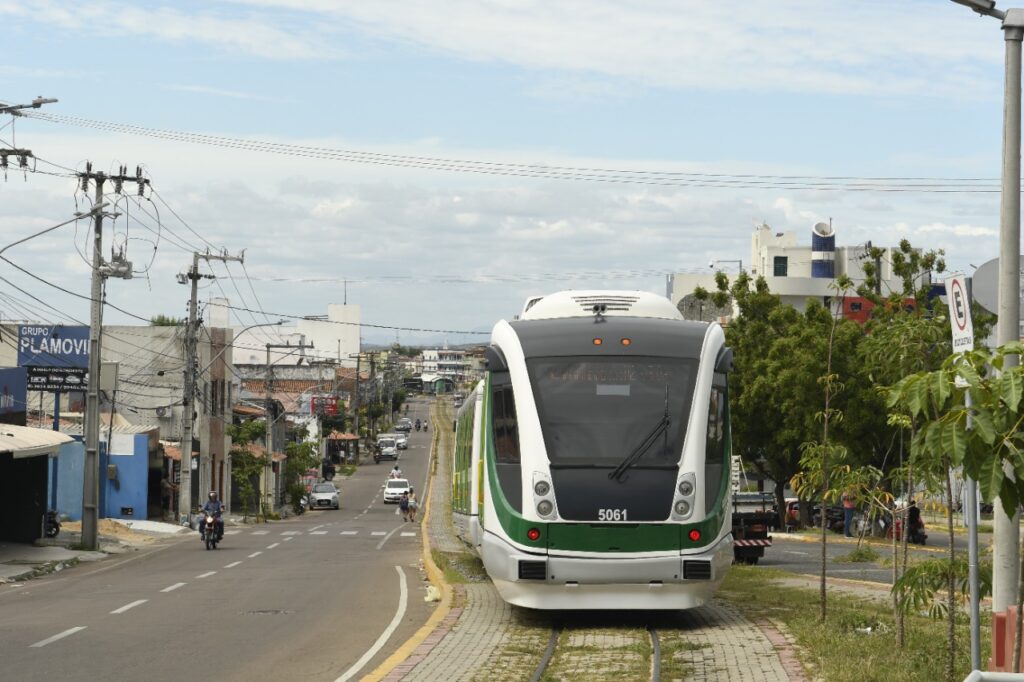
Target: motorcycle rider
x,y
914,530
215,508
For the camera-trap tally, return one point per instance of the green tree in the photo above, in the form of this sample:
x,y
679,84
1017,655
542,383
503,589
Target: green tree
x,y
245,466
301,458
992,446
165,321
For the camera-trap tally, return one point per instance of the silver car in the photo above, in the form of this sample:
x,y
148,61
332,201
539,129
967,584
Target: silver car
x,y
324,496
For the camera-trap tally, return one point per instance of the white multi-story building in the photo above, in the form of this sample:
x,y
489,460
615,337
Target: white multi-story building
x,y
444,362
796,272
334,336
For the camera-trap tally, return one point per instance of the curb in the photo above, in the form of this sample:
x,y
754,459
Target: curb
x,y
437,620
840,540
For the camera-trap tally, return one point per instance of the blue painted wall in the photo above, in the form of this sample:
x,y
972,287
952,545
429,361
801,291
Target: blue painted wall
x,y
130,454
70,464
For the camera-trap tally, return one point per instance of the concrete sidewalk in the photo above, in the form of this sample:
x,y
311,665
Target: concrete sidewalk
x,y
22,562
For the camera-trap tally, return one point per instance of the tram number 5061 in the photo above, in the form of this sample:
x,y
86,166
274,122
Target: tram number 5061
x,y
611,514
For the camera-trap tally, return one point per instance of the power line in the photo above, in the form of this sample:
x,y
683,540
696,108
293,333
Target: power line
x,y
364,324
586,174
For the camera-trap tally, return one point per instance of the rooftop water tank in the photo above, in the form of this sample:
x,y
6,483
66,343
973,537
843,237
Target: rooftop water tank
x,y
823,251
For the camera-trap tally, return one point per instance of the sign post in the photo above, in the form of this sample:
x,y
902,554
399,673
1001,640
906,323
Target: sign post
x,y
963,341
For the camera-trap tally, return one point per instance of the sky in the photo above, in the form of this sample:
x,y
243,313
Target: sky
x,y
747,94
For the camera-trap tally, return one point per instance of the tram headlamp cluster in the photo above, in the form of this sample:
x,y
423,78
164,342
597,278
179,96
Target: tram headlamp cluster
x,y
543,496
685,502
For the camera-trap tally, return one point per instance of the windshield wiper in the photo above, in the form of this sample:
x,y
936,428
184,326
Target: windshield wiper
x,y
633,457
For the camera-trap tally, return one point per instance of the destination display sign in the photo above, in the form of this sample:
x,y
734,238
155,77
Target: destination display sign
x,y
53,346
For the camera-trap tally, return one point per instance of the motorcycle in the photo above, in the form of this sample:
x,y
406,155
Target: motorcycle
x,y
917,535
51,524
208,531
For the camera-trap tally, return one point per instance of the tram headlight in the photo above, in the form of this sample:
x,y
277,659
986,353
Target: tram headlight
x,y
685,488
542,488
544,507
682,507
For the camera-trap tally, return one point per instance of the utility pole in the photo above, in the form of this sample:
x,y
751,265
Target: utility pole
x,y
355,403
188,412
376,399
268,437
118,267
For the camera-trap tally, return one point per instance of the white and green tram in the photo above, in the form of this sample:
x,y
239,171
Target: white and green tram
x,y
591,465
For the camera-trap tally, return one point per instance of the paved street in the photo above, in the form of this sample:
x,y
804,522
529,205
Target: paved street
x,y
307,597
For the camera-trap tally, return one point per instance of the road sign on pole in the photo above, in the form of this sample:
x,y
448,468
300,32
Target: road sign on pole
x,y
960,314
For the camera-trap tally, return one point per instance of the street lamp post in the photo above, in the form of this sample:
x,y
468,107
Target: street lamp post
x,y
715,262
1006,561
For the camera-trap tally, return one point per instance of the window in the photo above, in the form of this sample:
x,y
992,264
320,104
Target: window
x,y
506,439
856,307
715,445
595,410
781,266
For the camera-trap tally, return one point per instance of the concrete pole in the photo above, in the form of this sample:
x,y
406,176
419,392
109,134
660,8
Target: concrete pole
x,y
1006,540
355,403
188,401
91,473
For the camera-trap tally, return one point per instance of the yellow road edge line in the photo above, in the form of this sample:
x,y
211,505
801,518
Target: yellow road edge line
x,y
436,577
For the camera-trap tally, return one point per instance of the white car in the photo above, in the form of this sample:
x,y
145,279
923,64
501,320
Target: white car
x,y
324,496
394,488
402,439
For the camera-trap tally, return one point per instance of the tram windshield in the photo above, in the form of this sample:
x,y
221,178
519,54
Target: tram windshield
x,y
596,411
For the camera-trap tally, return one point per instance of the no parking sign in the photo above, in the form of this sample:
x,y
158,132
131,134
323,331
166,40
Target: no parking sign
x,y
960,314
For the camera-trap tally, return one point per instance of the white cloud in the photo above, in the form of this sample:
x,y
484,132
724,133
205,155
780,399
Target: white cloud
x,y
958,230
256,35
219,92
825,46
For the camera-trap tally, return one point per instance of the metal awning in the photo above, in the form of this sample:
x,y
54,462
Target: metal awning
x,y
26,441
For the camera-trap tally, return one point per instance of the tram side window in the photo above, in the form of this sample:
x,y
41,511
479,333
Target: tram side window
x,y
714,449
506,439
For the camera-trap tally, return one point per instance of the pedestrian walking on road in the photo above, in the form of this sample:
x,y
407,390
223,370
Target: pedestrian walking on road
x,y
403,505
414,504
849,506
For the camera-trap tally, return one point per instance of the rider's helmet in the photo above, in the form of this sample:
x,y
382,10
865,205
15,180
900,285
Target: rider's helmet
x,y
213,495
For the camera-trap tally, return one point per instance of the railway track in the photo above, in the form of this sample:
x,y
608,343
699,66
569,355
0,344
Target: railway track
x,y
615,650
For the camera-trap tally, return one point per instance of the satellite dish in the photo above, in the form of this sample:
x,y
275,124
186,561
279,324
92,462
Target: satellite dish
x,y
985,285
823,229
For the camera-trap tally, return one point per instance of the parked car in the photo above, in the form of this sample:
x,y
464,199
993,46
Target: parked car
x,y
394,488
324,496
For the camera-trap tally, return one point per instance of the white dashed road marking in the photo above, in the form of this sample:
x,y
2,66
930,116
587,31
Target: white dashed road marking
x,y
349,532
381,543
233,564
408,535
378,532
287,539
318,532
273,545
232,532
260,532
135,603
207,574
254,555
173,587
60,635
